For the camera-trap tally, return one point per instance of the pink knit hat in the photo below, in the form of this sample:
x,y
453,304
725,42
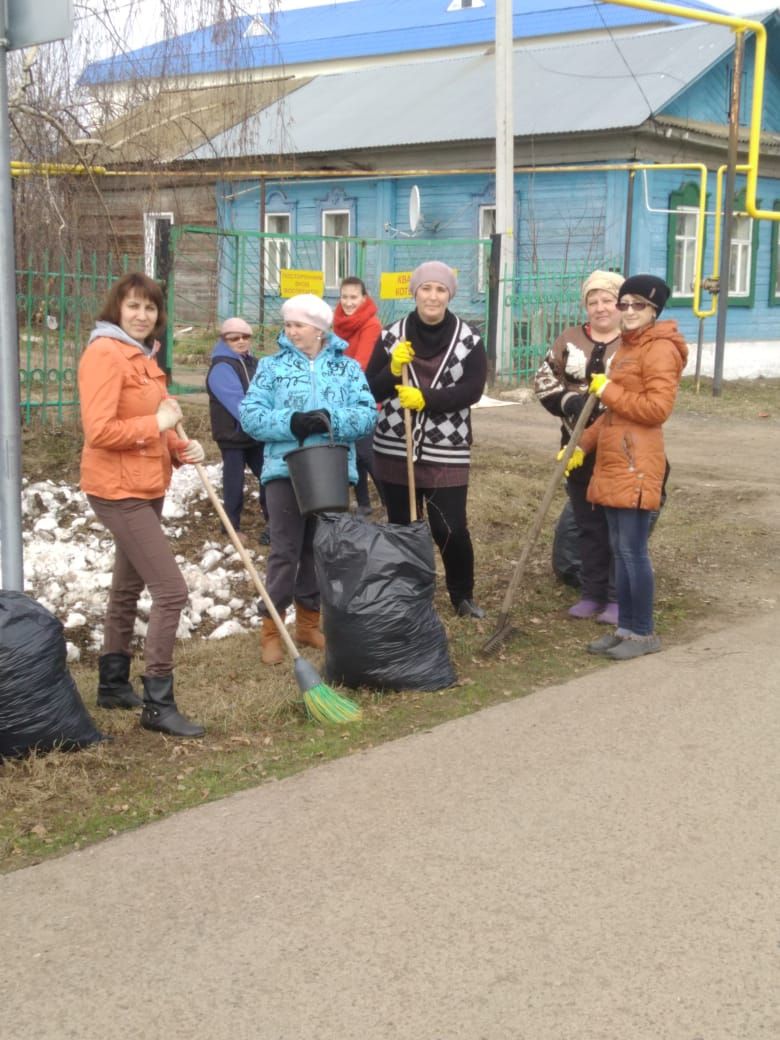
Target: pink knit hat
x,y
433,271
308,309
235,325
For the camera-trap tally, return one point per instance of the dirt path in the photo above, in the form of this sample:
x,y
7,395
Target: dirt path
x,y
724,496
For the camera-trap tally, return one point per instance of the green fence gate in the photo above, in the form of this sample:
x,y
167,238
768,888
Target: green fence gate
x,y
539,303
56,304
217,273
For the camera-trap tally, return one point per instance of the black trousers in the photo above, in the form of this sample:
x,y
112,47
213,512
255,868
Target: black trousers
x,y
446,509
597,567
234,461
364,451
290,574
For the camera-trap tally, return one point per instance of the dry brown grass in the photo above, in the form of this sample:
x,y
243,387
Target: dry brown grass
x,y
256,730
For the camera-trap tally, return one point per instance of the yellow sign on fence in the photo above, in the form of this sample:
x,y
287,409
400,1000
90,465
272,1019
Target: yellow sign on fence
x,y
294,282
394,285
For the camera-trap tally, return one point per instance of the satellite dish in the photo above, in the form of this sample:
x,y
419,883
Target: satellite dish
x,y
414,208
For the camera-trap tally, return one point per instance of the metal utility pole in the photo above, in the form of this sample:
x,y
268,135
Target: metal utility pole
x,y
728,215
505,179
22,24
10,410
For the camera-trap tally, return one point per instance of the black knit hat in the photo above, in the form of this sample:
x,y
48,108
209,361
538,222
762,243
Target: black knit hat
x,y
648,287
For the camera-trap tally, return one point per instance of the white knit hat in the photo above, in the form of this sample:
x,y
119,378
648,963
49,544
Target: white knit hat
x,y
308,309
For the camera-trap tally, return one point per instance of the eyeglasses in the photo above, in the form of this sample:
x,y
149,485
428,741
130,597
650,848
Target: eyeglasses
x,y
236,336
634,305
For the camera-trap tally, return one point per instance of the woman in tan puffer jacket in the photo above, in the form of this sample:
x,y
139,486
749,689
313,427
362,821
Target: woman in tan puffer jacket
x,y
639,391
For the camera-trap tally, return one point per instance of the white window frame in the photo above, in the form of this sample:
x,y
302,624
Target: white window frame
x,y
684,251
487,227
276,251
740,265
151,220
335,255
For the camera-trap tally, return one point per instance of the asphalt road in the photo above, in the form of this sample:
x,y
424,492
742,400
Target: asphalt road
x,y
597,861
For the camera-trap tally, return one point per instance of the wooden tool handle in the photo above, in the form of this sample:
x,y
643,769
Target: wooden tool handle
x,y
409,455
544,505
292,649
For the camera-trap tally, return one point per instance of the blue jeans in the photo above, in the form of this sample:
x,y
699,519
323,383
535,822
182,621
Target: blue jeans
x,y
629,530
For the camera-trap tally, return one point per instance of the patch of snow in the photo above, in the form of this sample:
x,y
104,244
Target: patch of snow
x,y
69,558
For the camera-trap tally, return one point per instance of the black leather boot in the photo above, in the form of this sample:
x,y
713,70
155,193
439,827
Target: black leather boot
x,y
114,687
160,712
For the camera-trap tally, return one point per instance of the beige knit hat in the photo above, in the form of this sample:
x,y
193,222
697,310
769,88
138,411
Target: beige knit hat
x,y
607,281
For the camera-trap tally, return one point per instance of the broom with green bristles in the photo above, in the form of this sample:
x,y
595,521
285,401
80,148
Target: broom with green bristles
x,y
321,702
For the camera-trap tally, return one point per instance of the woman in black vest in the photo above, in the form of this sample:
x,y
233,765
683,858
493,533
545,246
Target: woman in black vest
x,y
228,379
447,364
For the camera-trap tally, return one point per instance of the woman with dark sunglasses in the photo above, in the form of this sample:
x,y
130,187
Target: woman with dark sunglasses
x,y
638,390
230,373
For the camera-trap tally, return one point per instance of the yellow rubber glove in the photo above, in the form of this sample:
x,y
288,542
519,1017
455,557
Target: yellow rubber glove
x,y
598,383
576,460
401,354
410,397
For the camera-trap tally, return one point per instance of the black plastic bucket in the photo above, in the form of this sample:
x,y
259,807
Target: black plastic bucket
x,y
320,477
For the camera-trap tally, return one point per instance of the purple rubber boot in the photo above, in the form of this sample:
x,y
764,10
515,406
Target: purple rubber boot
x,y
586,608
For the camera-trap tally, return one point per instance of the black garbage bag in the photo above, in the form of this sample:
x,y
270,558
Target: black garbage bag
x,y
40,705
377,584
566,560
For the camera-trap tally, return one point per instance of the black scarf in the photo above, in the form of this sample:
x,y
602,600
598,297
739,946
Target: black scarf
x,y
430,340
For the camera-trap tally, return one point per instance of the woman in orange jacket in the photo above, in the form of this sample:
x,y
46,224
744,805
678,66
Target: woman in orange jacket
x,y
639,391
129,449
355,320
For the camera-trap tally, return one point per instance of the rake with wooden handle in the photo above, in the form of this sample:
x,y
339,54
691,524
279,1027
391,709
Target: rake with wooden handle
x,y
504,628
321,702
409,455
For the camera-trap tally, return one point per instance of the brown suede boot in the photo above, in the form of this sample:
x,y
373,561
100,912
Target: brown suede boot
x,y
307,628
271,649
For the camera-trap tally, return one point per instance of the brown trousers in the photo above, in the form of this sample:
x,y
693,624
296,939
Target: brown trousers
x,y
143,558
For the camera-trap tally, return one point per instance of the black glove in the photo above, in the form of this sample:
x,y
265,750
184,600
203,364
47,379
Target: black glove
x,y
573,405
319,420
302,424
298,426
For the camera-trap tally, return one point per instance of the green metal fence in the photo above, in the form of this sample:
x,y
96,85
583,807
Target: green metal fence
x,y
215,273
538,305
246,271
56,303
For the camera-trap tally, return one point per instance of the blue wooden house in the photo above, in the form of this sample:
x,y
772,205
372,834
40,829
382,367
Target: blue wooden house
x,y
364,143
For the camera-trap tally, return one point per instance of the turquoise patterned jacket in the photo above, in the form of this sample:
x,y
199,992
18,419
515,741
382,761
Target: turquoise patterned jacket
x,y
288,382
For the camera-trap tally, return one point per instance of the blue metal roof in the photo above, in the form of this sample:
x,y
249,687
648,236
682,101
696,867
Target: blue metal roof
x,y
358,28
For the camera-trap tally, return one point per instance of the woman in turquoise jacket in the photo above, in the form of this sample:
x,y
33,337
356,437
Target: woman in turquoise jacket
x,y
294,395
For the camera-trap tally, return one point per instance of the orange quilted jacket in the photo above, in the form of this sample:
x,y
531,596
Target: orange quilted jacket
x,y
628,438
124,454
